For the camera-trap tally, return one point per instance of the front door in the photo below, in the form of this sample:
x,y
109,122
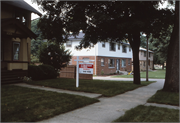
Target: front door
x,y
117,64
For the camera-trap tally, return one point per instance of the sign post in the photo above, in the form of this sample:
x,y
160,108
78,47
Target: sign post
x,y
84,69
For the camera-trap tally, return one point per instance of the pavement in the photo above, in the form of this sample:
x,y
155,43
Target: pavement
x,y
109,108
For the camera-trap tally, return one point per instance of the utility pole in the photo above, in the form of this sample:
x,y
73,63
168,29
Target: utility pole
x,y
147,54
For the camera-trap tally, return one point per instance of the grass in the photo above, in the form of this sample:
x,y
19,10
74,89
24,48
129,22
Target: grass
x,y
150,114
158,74
163,97
106,88
19,104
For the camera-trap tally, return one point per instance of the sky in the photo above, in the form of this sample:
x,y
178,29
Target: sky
x,y
34,5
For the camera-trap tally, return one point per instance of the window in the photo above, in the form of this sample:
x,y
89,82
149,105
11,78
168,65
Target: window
x,y
144,63
129,61
16,47
124,48
129,49
149,62
144,53
123,62
102,61
68,43
149,54
141,52
103,44
112,46
111,62
118,46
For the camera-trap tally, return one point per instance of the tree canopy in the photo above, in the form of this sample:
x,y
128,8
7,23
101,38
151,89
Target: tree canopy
x,y
104,21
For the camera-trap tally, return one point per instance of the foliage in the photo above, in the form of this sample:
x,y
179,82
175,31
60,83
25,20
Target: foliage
x,y
143,113
41,72
164,97
54,55
36,43
110,21
34,59
106,88
20,104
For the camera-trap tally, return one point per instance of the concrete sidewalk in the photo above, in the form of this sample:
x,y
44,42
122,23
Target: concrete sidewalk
x,y
91,95
109,109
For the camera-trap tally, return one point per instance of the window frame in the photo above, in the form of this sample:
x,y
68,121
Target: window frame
x,y
144,53
110,46
103,44
69,42
13,54
119,46
123,62
124,47
113,63
102,63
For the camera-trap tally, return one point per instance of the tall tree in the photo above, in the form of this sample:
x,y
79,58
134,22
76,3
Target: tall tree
x,y
111,21
172,68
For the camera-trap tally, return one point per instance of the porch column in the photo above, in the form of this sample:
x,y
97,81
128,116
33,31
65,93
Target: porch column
x,y
23,51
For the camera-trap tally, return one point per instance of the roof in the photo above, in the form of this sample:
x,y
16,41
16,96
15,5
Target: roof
x,y
143,49
81,36
25,30
23,5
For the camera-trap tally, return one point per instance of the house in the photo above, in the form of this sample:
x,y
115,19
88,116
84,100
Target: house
x,y
16,37
142,59
110,57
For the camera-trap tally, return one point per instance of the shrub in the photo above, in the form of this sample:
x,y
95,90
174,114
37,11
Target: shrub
x,y
41,72
49,71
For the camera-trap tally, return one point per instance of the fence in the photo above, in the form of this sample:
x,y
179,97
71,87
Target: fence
x,y
70,72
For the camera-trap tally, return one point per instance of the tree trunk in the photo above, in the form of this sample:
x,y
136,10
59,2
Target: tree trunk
x,y
135,43
172,67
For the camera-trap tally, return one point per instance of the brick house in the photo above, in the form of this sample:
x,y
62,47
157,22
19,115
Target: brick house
x,y
16,38
110,57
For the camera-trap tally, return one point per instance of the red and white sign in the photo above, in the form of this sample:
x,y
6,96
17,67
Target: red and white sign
x,y
86,68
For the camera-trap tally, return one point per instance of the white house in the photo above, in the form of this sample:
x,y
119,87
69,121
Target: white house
x,y
110,57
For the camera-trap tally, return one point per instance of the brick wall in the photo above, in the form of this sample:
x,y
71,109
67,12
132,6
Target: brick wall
x,y
108,70
105,69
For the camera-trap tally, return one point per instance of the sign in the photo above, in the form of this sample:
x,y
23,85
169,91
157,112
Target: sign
x,y
86,68
77,69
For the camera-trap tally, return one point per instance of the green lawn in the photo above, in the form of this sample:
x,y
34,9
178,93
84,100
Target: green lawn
x,y
106,88
150,114
163,97
158,74
19,104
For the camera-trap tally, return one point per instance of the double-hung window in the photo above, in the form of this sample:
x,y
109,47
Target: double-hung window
x,y
102,61
68,43
103,44
123,62
144,53
112,46
16,47
118,46
124,49
111,62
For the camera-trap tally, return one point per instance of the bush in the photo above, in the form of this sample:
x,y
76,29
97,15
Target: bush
x,y
41,72
49,71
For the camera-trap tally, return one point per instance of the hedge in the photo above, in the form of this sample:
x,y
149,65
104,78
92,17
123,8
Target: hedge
x,y
41,72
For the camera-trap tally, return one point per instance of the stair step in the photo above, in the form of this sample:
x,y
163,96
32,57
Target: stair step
x,y
10,82
7,77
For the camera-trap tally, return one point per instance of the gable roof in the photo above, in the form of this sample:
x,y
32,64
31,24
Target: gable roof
x,y
25,30
23,5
